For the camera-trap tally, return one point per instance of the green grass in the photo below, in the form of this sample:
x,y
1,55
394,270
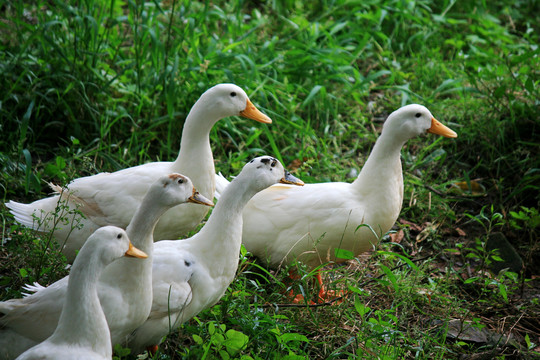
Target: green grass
x,y
99,86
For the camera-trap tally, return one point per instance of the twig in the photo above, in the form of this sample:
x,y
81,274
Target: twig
x,y
512,328
454,197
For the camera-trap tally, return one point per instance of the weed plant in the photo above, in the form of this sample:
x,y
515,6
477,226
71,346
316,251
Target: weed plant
x,y
98,85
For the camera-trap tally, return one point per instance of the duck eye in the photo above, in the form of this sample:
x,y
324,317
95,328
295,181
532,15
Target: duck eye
x,y
180,181
418,115
233,94
119,236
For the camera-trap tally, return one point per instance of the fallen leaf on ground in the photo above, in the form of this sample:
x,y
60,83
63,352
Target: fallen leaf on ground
x,y
411,225
472,187
467,331
397,236
428,230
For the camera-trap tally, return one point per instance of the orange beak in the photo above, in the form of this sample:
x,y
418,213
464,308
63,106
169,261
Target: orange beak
x,y
439,129
251,112
134,252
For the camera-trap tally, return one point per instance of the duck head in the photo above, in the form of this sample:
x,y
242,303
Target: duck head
x,y
230,100
113,243
266,171
176,189
413,120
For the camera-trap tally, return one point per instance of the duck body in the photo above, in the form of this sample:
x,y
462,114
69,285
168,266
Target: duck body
x,y
200,269
319,232
124,287
82,331
181,291
97,198
112,198
311,222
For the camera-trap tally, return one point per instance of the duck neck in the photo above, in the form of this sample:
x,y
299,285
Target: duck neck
x,y
382,167
222,233
140,231
142,225
195,158
82,321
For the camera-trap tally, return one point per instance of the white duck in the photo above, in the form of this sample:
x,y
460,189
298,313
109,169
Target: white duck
x,y
309,223
125,287
191,275
82,331
112,198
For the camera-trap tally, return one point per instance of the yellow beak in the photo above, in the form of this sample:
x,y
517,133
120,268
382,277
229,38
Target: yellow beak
x,y
439,129
134,252
251,112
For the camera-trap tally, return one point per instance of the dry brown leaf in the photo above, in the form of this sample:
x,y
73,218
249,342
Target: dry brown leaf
x,y
397,236
460,232
411,225
296,163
